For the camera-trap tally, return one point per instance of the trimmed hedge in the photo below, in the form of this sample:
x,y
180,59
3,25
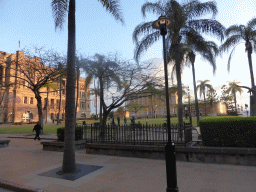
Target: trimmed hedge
x,y
78,133
229,132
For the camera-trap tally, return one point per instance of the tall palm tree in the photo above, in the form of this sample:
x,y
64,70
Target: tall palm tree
x,y
202,88
233,89
60,8
185,24
237,34
208,50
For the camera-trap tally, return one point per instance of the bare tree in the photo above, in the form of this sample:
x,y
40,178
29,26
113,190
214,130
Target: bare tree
x,y
34,73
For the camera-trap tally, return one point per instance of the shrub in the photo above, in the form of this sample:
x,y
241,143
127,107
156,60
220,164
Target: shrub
x,y
228,132
78,133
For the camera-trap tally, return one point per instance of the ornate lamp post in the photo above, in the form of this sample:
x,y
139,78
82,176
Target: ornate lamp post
x,y
170,158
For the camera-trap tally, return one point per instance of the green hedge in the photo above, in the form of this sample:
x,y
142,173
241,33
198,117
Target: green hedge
x,y
229,132
78,133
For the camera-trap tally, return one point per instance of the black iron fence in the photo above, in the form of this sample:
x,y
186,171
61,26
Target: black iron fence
x,y
137,134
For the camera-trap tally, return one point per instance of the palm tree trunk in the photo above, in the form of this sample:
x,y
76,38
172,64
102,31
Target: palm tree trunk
x,y
235,101
101,100
204,104
253,96
249,54
69,164
179,84
195,93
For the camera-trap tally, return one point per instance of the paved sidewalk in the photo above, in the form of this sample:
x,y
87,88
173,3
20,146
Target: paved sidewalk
x,y
23,161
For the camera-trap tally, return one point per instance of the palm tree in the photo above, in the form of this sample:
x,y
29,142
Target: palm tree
x,y
237,34
202,87
208,50
233,89
185,24
60,8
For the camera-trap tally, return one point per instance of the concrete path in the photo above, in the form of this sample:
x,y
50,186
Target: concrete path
x,y
23,161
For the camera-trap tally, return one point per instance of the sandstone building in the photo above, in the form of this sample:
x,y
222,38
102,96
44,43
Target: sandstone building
x,y
24,104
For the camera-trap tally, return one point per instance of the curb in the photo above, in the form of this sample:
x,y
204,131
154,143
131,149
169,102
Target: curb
x,y
30,138
17,187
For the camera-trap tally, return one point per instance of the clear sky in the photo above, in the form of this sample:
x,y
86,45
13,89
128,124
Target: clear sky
x,y
97,31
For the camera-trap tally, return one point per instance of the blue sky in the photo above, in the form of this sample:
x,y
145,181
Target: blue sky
x,y
97,31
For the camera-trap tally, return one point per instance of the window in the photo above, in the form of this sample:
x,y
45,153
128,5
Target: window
x,y
63,103
31,100
52,103
25,100
45,102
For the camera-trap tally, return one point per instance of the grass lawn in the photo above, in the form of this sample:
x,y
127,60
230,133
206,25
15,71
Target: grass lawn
x,y
52,128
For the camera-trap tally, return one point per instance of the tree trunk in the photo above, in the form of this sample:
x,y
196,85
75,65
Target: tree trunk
x,y
253,96
235,101
69,165
60,100
101,100
195,93
47,105
204,104
253,105
39,107
77,87
179,84
249,54
15,88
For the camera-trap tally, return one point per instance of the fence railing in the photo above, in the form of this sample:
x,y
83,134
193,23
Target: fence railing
x,y
137,134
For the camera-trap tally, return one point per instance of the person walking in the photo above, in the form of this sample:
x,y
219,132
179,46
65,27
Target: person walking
x,y
37,128
118,121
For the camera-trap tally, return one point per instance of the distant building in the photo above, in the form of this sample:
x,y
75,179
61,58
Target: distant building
x,y
155,105
26,103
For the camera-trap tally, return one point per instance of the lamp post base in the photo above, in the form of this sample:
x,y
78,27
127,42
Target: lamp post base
x,y
171,173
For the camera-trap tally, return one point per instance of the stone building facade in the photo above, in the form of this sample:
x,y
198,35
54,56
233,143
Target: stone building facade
x,y
25,103
155,106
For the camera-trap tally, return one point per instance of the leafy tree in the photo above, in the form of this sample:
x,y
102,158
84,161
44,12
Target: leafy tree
x,y
135,107
60,8
120,112
186,24
202,88
235,35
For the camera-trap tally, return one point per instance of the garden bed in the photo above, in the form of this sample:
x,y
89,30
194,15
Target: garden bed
x,y
199,154
59,146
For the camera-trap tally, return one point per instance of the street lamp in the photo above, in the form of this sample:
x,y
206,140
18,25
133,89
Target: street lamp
x,y
170,158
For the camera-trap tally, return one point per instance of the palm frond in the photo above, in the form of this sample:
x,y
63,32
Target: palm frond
x,y
145,43
230,42
233,30
195,8
208,26
113,7
141,29
59,11
252,23
153,8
